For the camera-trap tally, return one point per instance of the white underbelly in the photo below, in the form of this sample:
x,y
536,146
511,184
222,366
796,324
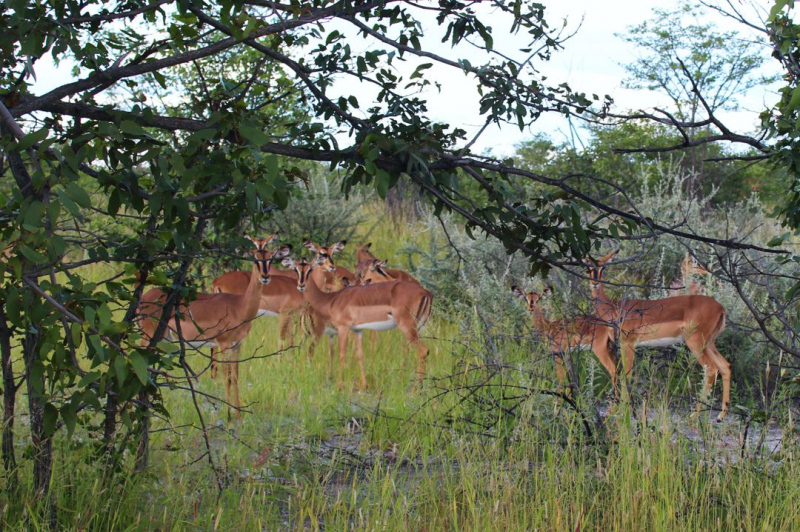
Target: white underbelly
x,y
267,313
661,342
193,344
387,325
573,348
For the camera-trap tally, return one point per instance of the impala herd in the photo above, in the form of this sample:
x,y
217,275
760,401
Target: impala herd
x,y
326,299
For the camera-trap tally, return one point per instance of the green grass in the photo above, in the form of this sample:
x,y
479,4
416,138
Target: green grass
x,y
406,457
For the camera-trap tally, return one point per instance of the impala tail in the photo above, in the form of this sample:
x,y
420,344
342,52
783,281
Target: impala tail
x,y
423,313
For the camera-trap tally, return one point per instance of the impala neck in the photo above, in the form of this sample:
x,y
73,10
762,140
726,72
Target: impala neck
x,y
252,296
538,319
314,293
599,294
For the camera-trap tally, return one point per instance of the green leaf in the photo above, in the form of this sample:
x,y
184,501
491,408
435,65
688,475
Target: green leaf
x,y
121,368
32,255
32,138
382,179
139,364
794,102
254,135
50,419
34,215
104,314
132,128
70,418
77,334
78,195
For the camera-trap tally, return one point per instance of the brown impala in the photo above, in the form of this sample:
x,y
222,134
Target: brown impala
x,y
686,284
365,259
566,335
379,307
212,320
694,320
279,298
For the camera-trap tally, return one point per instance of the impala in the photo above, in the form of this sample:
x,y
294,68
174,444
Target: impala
x,y
212,320
566,335
694,320
379,307
330,277
365,258
279,298
686,284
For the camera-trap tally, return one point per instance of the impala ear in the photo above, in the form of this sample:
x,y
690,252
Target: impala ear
x,y
337,247
382,264
367,282
310,245
270,238
517,291
345,282
368,245
547,292
373,265
251,239
589,262
282,251
289,263
608,257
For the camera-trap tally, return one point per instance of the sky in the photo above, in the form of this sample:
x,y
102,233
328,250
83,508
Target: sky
x,y
591,62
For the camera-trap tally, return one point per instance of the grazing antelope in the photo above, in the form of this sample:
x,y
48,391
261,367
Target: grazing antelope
x,y
365,258
331,277
566,335
279,298
694,320
212,320
379,307
687,284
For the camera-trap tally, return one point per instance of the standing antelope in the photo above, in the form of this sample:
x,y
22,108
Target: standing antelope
x,y
278,298
212,320
379,307
695,320
687,284
566,335
365,259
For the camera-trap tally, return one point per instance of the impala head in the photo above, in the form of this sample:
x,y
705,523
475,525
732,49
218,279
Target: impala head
x,y
303,270
595,269
263,256
324,258
374,273
531,298
690,267
363,253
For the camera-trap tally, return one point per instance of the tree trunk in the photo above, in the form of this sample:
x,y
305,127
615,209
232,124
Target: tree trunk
x,y
9,403
41,442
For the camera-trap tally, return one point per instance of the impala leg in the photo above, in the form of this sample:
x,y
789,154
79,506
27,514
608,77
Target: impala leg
x,y
628,353
561,373
606,357
360,357
343,333
724,368
232,381
283,331
214,368
408,326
